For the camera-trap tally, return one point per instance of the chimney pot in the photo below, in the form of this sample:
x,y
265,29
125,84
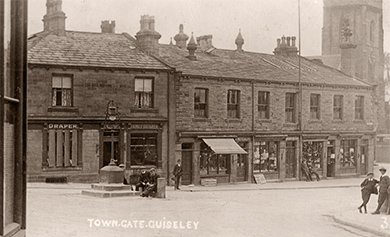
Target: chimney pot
x,y
147,37
54,20
181,38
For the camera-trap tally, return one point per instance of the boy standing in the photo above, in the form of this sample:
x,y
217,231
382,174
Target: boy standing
x,y
368,187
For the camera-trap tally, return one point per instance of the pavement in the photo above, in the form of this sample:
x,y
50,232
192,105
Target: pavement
x,y
378,225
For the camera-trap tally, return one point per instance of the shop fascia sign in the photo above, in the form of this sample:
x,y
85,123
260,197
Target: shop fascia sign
x,y
62,126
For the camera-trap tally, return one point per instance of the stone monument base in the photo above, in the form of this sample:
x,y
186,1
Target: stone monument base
x,y
104,190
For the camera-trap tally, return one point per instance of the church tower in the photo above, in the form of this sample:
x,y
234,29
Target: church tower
x,y
364,19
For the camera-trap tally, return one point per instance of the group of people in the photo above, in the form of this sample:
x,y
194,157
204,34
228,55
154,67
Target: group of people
x,y
148,180
370,186
308,171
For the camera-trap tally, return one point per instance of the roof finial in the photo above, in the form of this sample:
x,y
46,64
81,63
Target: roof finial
x,y
192,46
239,41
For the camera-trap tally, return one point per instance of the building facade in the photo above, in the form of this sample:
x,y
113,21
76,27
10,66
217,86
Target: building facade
x,y
94,97
253,100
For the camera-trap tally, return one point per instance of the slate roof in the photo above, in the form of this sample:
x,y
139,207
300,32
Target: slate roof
x,y
224,63
89,49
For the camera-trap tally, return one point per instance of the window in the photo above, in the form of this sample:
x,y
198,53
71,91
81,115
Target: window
x,y
372,31
312,153
266,156
347,153
263,104
315,106
143,93
290,107
201,102
359,107
212,164
233,104
338,107
62,148
143,149
62,91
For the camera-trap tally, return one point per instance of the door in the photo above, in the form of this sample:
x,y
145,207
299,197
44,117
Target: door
x,y
186,156
363,157
241,163
111,148
291,159
331,157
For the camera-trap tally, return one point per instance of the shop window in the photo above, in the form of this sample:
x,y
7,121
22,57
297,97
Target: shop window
x,y
266,156
143,149
338,107
315,106
359,107
62,148
290,107
62,91
263,104
348,153
233,104
213,164
143,93
201,102
312,153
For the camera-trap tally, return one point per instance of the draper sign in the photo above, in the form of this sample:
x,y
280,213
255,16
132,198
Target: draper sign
x,y
63,126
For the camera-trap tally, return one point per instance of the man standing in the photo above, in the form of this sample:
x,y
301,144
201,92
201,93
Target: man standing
x,y
177,172
384,183
152,184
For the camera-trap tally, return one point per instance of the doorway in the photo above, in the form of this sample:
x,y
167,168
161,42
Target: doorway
x,y
330,158
291,159
186,157
363,156
111,148
242,163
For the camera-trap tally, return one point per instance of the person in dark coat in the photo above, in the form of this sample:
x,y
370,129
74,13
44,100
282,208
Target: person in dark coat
x,y
384,183
152,184
368,186
177,172
144,179
305,170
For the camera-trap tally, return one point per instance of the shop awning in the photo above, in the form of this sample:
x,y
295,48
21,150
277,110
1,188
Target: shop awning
x,y
224,146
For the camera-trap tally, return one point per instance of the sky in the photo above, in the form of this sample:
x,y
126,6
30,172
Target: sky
x,y
261,21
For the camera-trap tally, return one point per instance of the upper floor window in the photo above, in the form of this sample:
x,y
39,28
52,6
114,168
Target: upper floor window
x,y
338,107
359,107
263,104
372,31
315,106
143,93
200,102
290,107
233,103
62,91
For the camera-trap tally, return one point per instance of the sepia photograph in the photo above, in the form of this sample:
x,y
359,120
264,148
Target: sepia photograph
x,y
261,118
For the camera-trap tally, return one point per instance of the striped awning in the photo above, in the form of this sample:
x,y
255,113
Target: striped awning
x,y
224,146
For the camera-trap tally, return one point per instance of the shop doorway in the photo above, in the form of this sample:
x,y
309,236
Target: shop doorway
x,y
111,148
363,157
330,158
242,163
291,159
186,156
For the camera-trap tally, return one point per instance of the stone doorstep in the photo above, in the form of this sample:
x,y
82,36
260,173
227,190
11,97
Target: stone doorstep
x,y
110,187
108,194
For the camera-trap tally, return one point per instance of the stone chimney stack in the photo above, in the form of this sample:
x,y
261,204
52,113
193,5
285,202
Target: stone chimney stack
x,y
54,20
108,27
239,41
147,37
205,42
191,48
286,48
181,38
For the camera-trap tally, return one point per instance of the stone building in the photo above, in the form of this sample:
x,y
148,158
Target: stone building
x,y
364,20
229,97
228,114
94,97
